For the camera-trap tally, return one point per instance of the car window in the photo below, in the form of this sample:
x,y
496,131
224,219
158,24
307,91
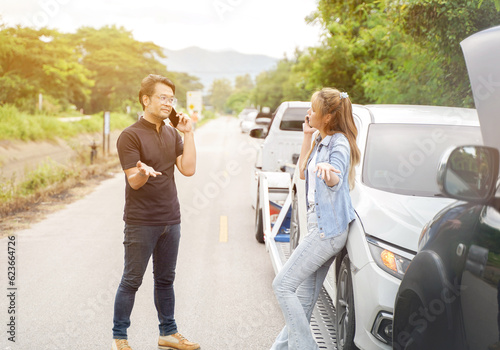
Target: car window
x,y
293,118
404,158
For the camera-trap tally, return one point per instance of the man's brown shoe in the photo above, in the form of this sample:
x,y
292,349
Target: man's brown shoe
x,y
176,341
120,344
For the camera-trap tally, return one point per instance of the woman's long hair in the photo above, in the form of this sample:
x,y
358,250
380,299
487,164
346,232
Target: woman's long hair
x,y
328,103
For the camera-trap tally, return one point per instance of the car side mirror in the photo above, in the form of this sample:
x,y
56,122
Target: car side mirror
x,y
258,133
469,173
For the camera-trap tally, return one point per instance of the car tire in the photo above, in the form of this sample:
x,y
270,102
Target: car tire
x,y
345,319
294,223
259,225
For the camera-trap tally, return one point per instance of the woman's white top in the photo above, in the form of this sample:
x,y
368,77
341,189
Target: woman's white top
x,y
312,178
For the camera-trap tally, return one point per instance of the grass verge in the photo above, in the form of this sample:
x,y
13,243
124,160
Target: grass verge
x,y
46,188
207,116
16,125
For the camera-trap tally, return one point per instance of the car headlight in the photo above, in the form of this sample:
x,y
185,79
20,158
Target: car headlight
x,y
390,259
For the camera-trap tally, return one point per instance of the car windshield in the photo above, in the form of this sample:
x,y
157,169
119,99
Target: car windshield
x,y
404,158
293,118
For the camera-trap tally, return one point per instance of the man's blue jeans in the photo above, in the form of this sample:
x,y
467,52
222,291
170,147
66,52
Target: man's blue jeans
x,y
140,243
299,282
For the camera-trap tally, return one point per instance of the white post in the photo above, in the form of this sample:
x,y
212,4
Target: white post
x,y
40,101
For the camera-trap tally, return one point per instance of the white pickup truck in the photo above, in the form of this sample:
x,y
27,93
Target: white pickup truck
x,y
281,147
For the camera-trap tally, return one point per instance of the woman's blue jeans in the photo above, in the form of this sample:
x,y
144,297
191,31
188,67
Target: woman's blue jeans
x,y
298,284
140,243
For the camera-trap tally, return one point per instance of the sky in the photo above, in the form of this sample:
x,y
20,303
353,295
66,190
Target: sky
x,y
269,27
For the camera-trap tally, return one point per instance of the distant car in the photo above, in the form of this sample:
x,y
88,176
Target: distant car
x,y
245,111
248,121
394,197
263,120
449,297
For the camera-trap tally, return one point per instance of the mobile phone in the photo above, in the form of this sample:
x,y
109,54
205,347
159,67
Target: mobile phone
x,y
174,119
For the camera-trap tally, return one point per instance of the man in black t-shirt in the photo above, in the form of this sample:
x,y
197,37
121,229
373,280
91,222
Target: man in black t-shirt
x,y
148,151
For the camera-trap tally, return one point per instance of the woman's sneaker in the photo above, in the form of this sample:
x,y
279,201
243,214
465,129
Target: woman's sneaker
x,y
120,344
176,342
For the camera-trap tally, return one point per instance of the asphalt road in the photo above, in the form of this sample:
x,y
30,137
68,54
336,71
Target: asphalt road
x,y
68,266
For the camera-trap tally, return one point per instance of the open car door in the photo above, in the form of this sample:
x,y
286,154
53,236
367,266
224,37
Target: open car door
x,y
482,56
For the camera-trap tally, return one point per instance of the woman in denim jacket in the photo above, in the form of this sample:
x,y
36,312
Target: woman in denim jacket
x,y
327,161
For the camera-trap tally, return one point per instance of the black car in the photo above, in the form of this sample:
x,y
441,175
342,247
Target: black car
x,y
449,297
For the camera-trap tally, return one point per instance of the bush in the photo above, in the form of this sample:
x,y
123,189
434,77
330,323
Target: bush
x,y
16,125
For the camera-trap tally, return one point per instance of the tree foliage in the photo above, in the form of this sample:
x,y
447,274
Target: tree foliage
x,y
184,83
219,92
93,69
40,61
439,26
385,51
118,63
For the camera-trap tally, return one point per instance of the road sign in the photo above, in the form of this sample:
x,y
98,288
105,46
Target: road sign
x,y
194,101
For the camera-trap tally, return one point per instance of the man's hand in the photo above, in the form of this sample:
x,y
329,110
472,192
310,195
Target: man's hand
x,y
139,175
145,170
185,124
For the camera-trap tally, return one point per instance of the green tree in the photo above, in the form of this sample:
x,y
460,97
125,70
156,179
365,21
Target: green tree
x,y
243,83
270,84
40,61
118,63
237,101
184,83
387,51
219,93
242,94
439,26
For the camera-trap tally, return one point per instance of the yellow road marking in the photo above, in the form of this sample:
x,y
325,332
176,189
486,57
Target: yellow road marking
x,y
223,229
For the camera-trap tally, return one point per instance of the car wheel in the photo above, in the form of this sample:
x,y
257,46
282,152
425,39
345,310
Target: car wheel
x,y
294,223
259,225
345,307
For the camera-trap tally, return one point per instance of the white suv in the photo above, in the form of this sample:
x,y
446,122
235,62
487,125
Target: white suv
x,y
395,195
281,147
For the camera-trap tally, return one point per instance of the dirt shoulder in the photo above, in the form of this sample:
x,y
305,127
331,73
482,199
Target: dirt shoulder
x,y
16,158
38,210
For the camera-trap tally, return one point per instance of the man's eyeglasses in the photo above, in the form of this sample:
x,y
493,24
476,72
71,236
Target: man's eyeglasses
x,y
167,100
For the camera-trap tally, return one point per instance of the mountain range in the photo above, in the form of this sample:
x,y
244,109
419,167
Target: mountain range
x,y
210,65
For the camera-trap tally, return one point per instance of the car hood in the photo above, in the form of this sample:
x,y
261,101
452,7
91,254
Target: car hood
x,y
394,218
482,54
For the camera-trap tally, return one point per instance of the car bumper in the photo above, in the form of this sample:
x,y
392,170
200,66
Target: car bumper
x,y
374,296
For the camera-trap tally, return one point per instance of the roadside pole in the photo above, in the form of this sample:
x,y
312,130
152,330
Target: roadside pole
x,y
106,133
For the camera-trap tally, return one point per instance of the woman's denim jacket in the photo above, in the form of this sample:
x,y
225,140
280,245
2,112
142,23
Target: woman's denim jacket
x,y
333,204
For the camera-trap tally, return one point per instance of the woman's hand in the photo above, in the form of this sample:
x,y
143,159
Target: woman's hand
x,y
327,172
306,127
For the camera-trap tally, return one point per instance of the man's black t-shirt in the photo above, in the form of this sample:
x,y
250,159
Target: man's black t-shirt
x,y
155,203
